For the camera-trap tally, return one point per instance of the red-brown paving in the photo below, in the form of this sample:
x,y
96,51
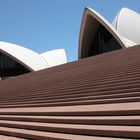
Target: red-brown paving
x,y
93,98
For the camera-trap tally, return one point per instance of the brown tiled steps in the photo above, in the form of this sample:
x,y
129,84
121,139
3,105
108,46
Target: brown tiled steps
x,y
76,87
72,103
91,120
97,89
77,97
132,87
132,108
69,92
105,121
4,137
94,98
90,130
41,135
91,84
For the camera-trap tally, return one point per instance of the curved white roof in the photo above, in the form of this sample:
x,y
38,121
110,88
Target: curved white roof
x,y
28,58
32,60
127,23
55,57
89,26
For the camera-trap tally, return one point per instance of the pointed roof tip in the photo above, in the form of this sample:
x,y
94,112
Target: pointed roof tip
x,y
123,11
86,9
126,9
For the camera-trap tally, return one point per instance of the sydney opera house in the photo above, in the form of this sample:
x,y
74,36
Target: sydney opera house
x,y
16,60
98,36
96,97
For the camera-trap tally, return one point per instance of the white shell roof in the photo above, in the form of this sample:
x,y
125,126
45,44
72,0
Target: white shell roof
x,y
32,60
28,58
125,27
55,57
98,19
127,23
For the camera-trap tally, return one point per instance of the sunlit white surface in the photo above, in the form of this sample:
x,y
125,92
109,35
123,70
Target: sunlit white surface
x,y
86,29
32,60
127,23
55,57
28,58
125,28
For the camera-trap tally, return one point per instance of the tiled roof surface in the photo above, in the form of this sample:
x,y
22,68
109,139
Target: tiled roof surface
x,y
94,98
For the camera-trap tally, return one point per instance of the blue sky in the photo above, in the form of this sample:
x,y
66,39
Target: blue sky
x,y
44,25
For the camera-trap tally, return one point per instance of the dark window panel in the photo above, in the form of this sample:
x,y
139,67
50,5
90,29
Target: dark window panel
x,y
9,67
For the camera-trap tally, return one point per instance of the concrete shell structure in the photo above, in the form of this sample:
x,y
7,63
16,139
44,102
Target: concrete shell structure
x,y
127,23
119,32
55,57
31,60
97,98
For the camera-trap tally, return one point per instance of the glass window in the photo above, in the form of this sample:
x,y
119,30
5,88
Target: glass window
x,y
103,42
95,47
9,67
108,42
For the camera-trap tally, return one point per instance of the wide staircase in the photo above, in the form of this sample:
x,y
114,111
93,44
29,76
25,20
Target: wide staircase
x,y
94,98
